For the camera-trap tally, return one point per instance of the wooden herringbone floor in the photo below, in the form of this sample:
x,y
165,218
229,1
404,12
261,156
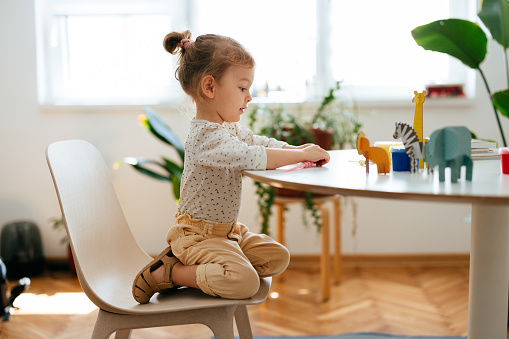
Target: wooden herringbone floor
x,y
395,300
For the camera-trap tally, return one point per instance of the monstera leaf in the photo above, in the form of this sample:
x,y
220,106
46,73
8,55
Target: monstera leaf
x,y
461,39
501,102
495,15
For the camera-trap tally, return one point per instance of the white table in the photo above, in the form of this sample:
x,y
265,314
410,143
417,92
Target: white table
x,y
488,193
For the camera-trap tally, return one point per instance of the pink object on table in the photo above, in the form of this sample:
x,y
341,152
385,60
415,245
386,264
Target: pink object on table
x,y
305,164
504,159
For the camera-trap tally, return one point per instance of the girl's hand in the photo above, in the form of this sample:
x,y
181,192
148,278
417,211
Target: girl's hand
x,y
277,157
316,154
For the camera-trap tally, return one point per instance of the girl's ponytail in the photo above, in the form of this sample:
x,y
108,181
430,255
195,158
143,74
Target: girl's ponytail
x,y
173,40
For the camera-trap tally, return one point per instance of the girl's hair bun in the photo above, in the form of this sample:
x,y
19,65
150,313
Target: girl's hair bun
x,y
172,41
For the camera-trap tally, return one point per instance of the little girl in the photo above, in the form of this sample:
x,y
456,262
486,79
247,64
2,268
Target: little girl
x,y
209,249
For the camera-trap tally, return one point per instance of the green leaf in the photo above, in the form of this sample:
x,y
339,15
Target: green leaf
x,y
461,39
150,173
173,168
163,132
501,102
139,165
176,186
495,15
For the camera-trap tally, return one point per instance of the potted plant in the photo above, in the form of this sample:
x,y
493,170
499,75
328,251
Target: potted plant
x,y
466,41
333,126
164,169
59,225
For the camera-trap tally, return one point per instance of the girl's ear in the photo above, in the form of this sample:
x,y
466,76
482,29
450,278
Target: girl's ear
x,y
208,86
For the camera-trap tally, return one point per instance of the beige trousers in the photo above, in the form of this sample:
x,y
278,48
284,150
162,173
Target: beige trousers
x,y
231,259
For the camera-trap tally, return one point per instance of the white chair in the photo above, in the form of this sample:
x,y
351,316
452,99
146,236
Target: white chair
x,y
108,257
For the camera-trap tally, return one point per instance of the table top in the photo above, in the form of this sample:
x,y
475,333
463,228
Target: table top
x,y
344,175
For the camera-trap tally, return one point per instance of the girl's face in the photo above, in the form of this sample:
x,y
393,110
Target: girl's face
x,y
232,92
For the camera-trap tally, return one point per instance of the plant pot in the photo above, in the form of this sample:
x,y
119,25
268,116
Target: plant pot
x,y
70,259
322,138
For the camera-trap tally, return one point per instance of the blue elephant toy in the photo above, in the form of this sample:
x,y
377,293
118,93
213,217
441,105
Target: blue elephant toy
x,y
450,147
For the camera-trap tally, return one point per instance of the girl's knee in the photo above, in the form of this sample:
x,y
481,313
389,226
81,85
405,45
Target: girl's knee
x,y
243,284
284,258
276,263
236,283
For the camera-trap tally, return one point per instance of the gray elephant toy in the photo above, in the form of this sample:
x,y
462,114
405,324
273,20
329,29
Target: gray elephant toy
x,y
450,147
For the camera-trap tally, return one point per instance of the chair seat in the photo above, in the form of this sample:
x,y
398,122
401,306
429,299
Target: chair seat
x,y
182,299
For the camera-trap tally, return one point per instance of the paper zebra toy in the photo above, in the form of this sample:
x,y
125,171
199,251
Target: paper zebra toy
x,y
413,147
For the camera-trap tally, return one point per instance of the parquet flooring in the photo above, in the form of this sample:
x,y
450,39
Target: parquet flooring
x,y
394,300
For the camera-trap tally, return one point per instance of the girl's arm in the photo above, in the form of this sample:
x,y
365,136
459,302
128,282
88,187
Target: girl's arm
x,y
297,147
277,157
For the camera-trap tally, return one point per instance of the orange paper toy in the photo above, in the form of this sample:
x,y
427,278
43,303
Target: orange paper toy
x,y
376,154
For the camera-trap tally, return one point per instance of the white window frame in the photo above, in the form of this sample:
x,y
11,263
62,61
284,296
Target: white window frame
x,y
49,70
181,12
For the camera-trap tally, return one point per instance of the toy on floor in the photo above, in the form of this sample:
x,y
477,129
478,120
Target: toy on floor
x,y
7,298
376,154
450,147
413,147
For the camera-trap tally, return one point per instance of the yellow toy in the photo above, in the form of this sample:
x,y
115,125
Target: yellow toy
x,y
418,100
375,154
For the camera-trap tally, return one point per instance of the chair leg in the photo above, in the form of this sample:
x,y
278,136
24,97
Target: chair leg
x,y
243,324
222,329
337,240
325,258
218,319
123,334
102,328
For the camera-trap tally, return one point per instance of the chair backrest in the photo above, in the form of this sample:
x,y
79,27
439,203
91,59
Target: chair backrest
x,y
103,246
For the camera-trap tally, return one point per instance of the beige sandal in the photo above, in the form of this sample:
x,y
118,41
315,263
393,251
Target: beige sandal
x,y
145,286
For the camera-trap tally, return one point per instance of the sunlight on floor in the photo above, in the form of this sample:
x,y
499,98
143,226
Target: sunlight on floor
x,y
59,303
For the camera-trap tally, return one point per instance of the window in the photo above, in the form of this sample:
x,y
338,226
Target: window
x,y
110,51
373,51
105,52
281,35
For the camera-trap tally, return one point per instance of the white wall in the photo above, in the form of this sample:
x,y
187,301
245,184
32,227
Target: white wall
x,y
26,189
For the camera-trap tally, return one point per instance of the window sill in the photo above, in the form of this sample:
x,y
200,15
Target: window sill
x,y
454,102
457,102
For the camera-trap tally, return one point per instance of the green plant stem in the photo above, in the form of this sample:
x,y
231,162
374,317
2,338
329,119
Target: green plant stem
x,y
494,108
507,66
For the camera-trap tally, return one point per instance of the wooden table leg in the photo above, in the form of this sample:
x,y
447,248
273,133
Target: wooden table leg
x,y
337,240
325,259
280,208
